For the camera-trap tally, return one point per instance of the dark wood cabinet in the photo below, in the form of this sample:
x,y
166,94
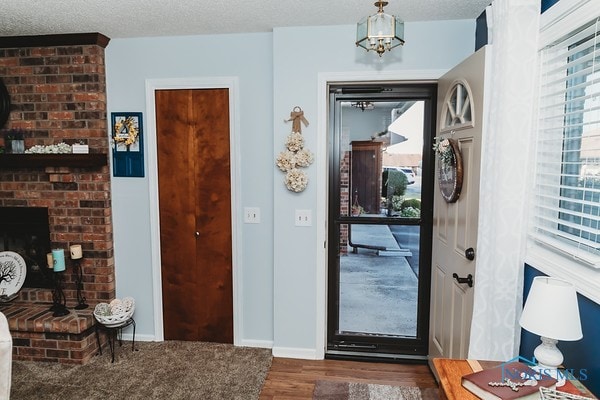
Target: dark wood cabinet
x,y
366,175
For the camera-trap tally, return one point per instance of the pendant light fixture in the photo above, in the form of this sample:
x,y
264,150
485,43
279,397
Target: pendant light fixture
x,y
380,32
363,105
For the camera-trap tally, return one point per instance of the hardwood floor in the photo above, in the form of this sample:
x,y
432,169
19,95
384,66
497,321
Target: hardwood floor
x,y
295,379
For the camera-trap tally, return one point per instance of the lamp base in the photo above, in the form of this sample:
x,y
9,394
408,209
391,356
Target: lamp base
x,y
544,371
549,358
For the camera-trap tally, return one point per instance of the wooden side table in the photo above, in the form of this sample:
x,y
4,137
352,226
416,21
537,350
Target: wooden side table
x,y
450,372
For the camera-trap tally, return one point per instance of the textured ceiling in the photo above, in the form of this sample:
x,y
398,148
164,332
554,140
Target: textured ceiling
x,y
135,18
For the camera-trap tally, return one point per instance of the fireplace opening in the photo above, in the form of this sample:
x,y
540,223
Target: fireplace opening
x,y
26,231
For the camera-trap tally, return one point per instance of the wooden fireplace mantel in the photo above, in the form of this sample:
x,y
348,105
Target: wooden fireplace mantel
x,y
53,160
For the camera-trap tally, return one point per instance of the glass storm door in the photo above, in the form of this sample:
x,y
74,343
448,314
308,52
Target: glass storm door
x,y
380,213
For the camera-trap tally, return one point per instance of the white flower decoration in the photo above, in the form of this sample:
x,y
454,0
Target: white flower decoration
x,y
286,160
296,180
294,141
304,158
295,156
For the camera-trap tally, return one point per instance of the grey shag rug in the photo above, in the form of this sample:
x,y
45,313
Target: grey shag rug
x,y
156,370
333,390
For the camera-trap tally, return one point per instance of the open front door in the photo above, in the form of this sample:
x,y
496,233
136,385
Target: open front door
x,y
456,207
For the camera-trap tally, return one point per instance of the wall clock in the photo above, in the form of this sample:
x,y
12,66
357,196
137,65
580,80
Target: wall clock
x,y
450,172
4,104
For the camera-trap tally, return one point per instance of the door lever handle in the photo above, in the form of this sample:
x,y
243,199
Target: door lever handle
x,y
468,280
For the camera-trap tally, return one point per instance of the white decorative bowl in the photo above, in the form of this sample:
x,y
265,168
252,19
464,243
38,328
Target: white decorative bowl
x,y
116,313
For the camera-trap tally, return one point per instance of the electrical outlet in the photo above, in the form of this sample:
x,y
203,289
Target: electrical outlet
x,y
251,215
303,218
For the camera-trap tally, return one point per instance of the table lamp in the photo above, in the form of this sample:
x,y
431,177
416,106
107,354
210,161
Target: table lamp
x,y
551,311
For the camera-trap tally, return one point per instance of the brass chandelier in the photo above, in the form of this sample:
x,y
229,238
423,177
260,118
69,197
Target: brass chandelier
x,y
380,32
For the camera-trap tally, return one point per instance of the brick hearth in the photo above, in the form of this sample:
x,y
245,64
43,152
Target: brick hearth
x,y
38,336
57,87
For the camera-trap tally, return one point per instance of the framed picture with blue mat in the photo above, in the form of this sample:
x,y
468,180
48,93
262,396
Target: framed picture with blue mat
x,y
128,144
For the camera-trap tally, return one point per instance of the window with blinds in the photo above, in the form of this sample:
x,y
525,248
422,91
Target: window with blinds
x,y
567,176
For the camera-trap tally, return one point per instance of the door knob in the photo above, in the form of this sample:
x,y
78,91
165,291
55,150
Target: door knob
x,y
470,254
468,280
197,234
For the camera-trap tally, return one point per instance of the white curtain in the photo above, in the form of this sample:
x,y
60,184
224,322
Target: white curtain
x,y
506,143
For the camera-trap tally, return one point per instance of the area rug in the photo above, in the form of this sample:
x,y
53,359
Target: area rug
x,y
332,390
156,370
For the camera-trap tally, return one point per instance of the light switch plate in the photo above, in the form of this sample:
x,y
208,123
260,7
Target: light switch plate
x,y
303,217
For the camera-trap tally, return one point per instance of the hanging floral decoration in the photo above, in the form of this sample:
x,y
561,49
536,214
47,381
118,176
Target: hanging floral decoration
x,y
443,150
295,156
449,169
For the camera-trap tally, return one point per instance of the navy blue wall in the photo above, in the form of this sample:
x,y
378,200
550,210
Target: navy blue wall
x,y
584,353
481,34
546,4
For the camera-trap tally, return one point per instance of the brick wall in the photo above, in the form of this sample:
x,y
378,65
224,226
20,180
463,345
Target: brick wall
x,y
345,200
57,87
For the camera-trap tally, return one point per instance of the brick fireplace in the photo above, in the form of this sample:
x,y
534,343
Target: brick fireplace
x,y
57,89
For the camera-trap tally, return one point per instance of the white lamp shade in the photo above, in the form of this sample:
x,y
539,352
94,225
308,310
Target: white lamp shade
x,y
551,310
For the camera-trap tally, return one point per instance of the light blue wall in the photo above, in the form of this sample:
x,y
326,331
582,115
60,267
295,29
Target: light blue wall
x,y
129,63
299,55
276,72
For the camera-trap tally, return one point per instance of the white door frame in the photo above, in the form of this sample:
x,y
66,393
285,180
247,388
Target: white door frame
x,y
232,84
324,80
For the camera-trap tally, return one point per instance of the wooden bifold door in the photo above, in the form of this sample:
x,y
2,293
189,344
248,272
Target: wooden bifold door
x,y
195,214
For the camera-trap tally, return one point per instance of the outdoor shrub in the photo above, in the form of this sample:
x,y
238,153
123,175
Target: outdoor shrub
x,y
410,212
396,182
414,203
397,203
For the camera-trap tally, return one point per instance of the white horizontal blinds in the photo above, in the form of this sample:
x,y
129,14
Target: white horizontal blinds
x,y
567,184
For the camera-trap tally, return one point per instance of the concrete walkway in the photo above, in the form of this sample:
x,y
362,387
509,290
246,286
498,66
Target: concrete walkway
x,y
375,237
378,289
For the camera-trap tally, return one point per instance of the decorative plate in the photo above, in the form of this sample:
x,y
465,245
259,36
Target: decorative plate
x,y
12,274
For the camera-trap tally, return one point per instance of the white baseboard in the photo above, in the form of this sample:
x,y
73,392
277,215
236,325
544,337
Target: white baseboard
x,y
264,344
294,352
139,338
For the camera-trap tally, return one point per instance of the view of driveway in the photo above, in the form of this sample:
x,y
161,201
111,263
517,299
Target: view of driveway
x,y
378,289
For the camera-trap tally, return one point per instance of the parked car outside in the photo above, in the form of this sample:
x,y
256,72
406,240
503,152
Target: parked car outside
x,y
407,171
410,174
